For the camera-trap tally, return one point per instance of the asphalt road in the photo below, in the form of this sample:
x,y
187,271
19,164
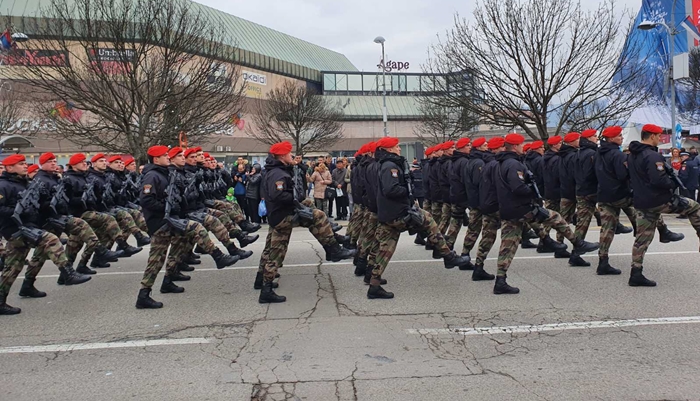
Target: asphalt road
x,y
569,334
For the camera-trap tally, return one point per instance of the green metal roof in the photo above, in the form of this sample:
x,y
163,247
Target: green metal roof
x,y
245,35
370,107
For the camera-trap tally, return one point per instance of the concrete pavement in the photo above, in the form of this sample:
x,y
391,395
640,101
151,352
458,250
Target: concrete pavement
x,y
568,335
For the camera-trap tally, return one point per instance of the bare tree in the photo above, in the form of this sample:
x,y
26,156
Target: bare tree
x,y
522,62
440,123
125,75
300,115
9,106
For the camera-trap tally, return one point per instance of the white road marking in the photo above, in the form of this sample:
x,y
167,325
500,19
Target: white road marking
x,y
105,272
125,344
602,324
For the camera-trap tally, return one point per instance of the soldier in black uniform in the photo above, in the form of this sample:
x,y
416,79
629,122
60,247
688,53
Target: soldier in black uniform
x,y
444,185
427,202
358,218
552,190
458,189
567,181
586,188
654,185
436,201
116,177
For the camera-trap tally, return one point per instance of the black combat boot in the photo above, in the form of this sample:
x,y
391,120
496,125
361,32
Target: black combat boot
x,y
177,276
562,254
622,229
479,274
249,227
604,268
128,250
169,287
223,260
527,244
352,244
6,309
577,260
452,260
666,235
192,259
530,234
184,267
428,246
375,290
246,240
360,265
268,296
242,254
548,245
336,253
105,255
83,269
368,276
200,250
144,300
142,240
258,284
419,240
437,254
637,279
468,266
581,246
343,240
99,264
501,287
28,290
71,277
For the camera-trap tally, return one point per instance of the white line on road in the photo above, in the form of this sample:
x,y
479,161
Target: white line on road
x,y
124,344
602,324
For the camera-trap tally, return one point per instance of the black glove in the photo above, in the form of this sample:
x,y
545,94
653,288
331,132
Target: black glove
x,y
540,214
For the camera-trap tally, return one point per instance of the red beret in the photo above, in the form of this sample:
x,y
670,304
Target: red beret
x,y
97,157
208,156
197,149
278,149
612,132
128,160
114,158
571,136
387,142
514,139
46,157
32,168
157,151
526,147
653,129
174,151
589,133
462,143
12,160
76,158
536,145
190,151
478,142
554,140
448,145
362,150
371,147
496,142
357,154
429,151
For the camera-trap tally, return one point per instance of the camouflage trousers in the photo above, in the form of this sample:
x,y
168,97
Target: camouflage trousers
x,y
647,220
139,220
368,238
355,218
279,241
78,232
388,236
179,245
126,224
609,217
436,212
489,231
585,208
49,247
568,209
473,230
427,205
553,204
232,209
445,218
213,225
265,255
511,234
105,227
2,248
456,221
233,228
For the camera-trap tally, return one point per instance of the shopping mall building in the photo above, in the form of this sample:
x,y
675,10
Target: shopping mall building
x,y
267,59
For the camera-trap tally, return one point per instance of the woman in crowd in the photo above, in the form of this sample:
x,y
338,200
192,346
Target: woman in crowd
x,y
241,178
252,193
321,178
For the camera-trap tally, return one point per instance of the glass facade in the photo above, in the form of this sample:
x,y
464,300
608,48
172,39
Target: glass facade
x,y
371,83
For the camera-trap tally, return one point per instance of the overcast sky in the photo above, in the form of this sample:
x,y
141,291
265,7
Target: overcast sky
x,y
349,27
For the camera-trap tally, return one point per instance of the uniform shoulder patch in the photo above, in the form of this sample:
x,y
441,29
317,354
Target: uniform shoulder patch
x,y
660,166
395,173
521,175
279,185
147,189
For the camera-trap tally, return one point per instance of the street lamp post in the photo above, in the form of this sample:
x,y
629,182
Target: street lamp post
x,y
381,40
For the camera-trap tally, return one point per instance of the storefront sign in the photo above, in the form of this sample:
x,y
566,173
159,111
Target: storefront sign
x,y
111,61
395,65
24,125
254,78
33,58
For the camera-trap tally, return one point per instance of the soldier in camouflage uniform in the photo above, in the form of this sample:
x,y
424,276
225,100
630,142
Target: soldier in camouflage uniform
x,y
13,182
117,178
567,181
517,206
357,214
586,188
479,157
368,225
155,201
654,184
445,164
283,196
458,189
434,187
397,212
552,190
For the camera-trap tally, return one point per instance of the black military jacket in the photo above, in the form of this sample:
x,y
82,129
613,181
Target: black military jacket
x,y
586,181
535,163
552,186
611,171
567,169
393,198
434,180
443,186
75,182
10,187
358,189
651,185
279,190
458,179
371,183
488,196
515,197
154,182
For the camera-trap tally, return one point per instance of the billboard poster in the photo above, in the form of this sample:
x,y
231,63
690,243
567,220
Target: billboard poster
x,y
111,61
36,58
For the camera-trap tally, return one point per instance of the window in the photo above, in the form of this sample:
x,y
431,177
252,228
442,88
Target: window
x,y
219,148
355,82
412,83
328,82
370,83
341,82
228,148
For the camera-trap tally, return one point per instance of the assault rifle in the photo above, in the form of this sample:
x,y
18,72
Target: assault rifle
x,y
303,215
59,199
89,192
28,204
172,197
530,181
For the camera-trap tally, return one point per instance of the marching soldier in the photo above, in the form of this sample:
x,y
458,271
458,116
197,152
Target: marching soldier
x,y
397,212
359,193
517,205
32,170
116,177
552,191
444,185
458,189
165,229
22,232
567,181
653,184
436,201
586,188
355,219
479,156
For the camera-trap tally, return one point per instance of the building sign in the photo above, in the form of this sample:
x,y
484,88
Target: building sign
x,y
25,125
254,78
253,91
33,58
111,61
395,65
